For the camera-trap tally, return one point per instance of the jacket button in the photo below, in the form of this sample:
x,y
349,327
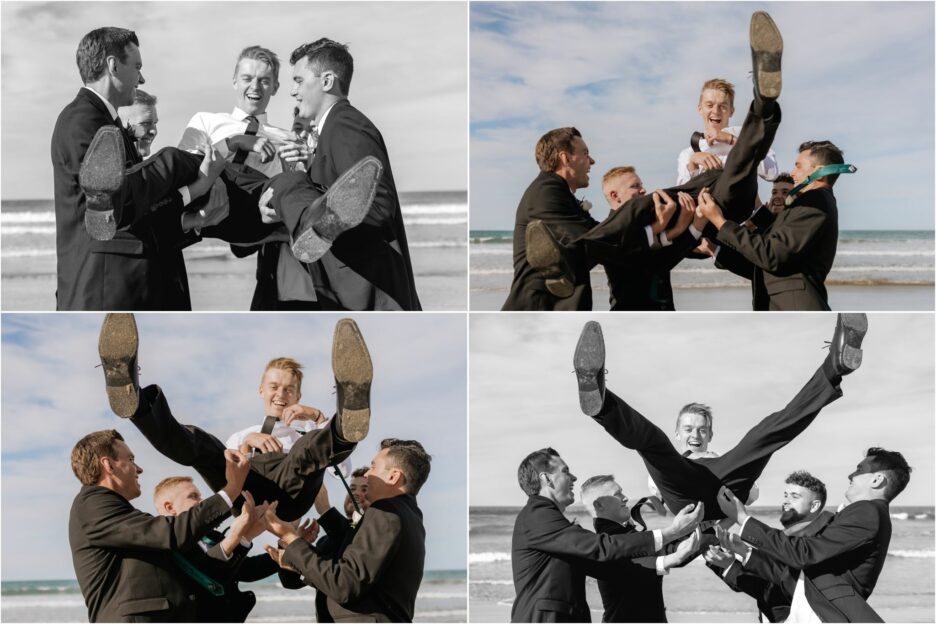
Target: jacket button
x,y
191,596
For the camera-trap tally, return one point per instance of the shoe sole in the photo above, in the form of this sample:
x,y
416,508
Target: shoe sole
x,y
346,205
767,46
545,255
102,174
117,347
354,372
854,327
589,362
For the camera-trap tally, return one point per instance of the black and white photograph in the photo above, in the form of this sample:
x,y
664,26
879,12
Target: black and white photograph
x,y
658,156
234,156
701,468
339,441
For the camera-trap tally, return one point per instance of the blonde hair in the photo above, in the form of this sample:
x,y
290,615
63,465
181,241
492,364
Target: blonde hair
x,y
287,364
615,172
719,84
167,483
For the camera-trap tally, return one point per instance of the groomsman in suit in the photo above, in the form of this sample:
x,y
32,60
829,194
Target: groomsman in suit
x,y
551,555
292,479
631,590
123,556
841,565
375,577
769,583
789,257
128,271
366,266
681,479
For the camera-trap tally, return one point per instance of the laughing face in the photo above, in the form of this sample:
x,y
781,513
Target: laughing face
x,y
560,481
715,109
693,433
279,390
798,503
254,85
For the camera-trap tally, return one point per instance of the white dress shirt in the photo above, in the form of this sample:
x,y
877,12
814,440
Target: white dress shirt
x,y
216,128
767,169
287,436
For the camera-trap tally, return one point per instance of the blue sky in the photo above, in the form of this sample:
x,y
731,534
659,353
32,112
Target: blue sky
x,y
523,394
209,366
409,78
628,75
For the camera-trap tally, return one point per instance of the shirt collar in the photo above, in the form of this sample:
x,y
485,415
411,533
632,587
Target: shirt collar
x,y
321,123
110,107
240,115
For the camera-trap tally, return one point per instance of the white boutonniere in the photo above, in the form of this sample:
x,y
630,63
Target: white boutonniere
x,y
585,205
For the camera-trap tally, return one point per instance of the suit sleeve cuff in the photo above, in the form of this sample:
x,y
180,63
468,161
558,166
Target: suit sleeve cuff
x,y
657,539
186,196
661,567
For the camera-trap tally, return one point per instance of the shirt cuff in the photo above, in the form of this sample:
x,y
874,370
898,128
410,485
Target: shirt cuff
x,y
664,242
657,539
660,568
695,233
186,196
717,249
225,498
649,232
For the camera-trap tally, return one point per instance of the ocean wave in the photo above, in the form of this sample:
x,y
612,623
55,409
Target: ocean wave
x,y
446,613
912,554
22,230
492,251
488,557
437,221
869,252
435,209
492,582
44,216
442,595
42,602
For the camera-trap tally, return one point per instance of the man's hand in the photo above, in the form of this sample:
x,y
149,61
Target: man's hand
x,y
267,214
688,546
705,161
731,506
308,530
215,211
262,442
718,557
283,530
211,167
731,542
706,247
297,151
253,143
684,522
719,136
301,412
709,209
687,210
664,206
277,556
321,500
236,467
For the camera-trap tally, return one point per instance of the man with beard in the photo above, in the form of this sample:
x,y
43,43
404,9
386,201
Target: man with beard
x,y
802,514
551,555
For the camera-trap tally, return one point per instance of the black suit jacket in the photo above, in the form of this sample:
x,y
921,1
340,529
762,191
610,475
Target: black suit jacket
x,y
548,198
770,583
379,573
368,267
642,282
122,556
629,592
787,261
141,268
841,565
551,556
338,534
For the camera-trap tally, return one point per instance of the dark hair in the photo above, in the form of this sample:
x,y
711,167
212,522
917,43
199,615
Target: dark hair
x,y
329,55
825,153
696,408
895,467
359,472
530,468
411,459
97,45
87,454
551,144
809,482
784,177
263,55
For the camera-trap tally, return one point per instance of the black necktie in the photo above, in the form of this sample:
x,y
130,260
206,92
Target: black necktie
x,y
268,423
252,127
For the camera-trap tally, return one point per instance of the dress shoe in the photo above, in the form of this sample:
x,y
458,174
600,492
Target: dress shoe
x,y
101,175
544,253
117,347
845,348
342,207
589,362
766,50
354,372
